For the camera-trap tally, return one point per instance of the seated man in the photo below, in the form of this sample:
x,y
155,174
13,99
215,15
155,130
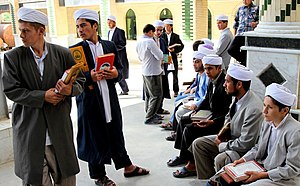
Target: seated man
x,y
245,119
217,101
278,146
197,90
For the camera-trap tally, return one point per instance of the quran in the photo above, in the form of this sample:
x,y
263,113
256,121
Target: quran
x,y
71,73
225,133
79,57
202,115
237,173
174,45
105,62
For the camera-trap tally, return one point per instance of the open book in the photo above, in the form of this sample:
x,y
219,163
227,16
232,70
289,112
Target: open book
x,y
202,115
237,173
105,62
79,57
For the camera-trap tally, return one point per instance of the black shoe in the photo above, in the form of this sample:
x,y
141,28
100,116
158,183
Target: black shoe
x,y
123,93
175,161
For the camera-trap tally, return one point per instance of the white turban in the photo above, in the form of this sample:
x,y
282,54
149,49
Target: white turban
x,y
281,94
158,23
111,17
207,41
203,50
168,21
212,59
31,15
86,14
239,72
222,17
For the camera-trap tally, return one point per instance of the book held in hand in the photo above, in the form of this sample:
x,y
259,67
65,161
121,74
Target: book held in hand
x,y
79,57
71,73
225,133
201,115
237,173
105,62
174,45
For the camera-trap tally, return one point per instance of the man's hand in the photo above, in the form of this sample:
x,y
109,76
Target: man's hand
x,y
97,75
217,140
193,107
254,24
236,162
187,91
254,175
64,89
203,123
110,74
52,97
193,90
171,49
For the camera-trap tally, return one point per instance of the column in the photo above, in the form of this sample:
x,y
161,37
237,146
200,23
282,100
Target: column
x,y
104,13
273,50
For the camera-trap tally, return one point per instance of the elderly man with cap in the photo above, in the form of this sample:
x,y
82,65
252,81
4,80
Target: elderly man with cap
x,y
195,94
216,101
224,40
42,129
211,153
162,44
173,39
117,36
100,134
278,146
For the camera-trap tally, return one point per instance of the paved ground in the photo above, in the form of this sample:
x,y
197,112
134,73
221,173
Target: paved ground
x,y
146,144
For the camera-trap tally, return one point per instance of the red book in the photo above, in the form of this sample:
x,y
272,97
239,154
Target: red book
x,y
105,62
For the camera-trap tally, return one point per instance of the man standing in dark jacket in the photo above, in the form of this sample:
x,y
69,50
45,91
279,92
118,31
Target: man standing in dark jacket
x,y
172,39
117,36
100,135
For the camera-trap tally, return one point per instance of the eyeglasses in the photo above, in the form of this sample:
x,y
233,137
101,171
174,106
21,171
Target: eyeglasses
x,y
159,29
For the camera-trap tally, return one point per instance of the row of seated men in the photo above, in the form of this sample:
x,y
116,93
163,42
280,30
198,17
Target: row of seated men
x,y
259,130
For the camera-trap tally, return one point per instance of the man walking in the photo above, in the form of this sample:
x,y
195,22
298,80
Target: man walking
x,y
117,36
41,122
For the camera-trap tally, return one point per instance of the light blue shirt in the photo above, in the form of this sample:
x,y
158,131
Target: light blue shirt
x,y
202,83
150,55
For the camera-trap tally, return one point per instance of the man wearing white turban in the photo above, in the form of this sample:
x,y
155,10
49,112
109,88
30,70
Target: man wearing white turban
x,y
245,118
216,101
224,40
117,35
173,38
278,146
42,127
100,135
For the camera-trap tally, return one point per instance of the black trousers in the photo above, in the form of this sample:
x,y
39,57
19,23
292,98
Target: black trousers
x,y
235,49
123,85
187,133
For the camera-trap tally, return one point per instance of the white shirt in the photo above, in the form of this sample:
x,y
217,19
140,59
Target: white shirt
x,y
97,50
40,64
111,33
241,101
150,56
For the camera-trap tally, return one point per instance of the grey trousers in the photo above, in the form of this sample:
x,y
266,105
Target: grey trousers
x,y
153,94
51,171
208,159
180,112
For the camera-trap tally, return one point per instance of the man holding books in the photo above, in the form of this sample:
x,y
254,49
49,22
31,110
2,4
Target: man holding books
x,y
100,135
213,152
217,102
44,151
278,147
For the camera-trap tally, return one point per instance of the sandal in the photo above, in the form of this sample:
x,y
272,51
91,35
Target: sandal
x,y
184,172
163,111
105,181
138,171
175,161
167,126
172,137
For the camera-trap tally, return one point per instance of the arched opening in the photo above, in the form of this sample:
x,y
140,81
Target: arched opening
x,y
209,24
165,14
131,25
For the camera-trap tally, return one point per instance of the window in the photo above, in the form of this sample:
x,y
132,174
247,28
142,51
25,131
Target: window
x,y
131,25
209,24
165,14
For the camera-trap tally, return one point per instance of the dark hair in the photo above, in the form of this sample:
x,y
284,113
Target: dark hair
x,y
34,24
92,22
148,28
280,105
224,21
246,84
196,44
